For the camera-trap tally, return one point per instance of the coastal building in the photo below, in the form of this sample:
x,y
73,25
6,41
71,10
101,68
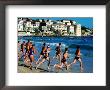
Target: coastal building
x,y
61,28
20,25
78,30
71,30
49,24
29,26
66,21
37,24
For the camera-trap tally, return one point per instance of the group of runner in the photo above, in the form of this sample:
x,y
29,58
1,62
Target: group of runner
x,y
28,50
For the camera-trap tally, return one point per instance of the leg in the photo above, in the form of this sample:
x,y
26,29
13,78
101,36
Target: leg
x,y
81,65
74,61
48,63
67,66
39,59
43,60
31,60
58,65
59,56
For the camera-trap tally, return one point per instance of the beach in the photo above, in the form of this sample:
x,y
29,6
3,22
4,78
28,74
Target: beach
x,y
86,44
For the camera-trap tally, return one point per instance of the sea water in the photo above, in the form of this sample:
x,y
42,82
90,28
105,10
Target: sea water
x,y
86,47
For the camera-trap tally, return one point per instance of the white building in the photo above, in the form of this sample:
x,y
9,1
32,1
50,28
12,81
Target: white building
x,y
66,21
61,28
20,25
29,26
37,24
44,28
48,23
71,29
78,30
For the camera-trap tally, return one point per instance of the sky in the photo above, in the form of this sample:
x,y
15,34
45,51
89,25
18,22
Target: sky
x,y
84,21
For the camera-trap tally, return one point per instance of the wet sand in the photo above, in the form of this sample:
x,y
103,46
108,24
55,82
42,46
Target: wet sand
x,y
22,68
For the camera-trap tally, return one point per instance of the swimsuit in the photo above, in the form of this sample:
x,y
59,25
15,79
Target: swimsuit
x,y
58,51
63,60
46,54
42,53
76,57
31,51
77,53
22,47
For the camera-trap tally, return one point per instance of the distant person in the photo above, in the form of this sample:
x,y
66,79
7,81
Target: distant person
x,y
58,52
78,58
45,57
64,60
42,52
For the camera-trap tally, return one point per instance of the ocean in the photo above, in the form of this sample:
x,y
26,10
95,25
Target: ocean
x,y
86,47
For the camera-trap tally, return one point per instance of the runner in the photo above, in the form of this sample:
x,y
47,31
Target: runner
x,y
22,50
45,57
58,52
42,52
18,50
27,47
64,60
78,58
32,51
23,47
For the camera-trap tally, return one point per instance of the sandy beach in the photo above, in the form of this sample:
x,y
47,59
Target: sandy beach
x,y
22,68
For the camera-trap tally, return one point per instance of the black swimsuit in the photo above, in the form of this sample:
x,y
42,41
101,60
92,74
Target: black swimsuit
x,y
76,57
63,60
58,50
42,53
31,51
22,48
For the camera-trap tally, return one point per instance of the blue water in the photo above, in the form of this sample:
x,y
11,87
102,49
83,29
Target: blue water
x,y
86,45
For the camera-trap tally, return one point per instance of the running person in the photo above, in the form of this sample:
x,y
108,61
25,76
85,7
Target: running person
x,y
27,47
45,57
64,60
23,47
18,50
22,50
42,52
32,51
58,52
78,58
